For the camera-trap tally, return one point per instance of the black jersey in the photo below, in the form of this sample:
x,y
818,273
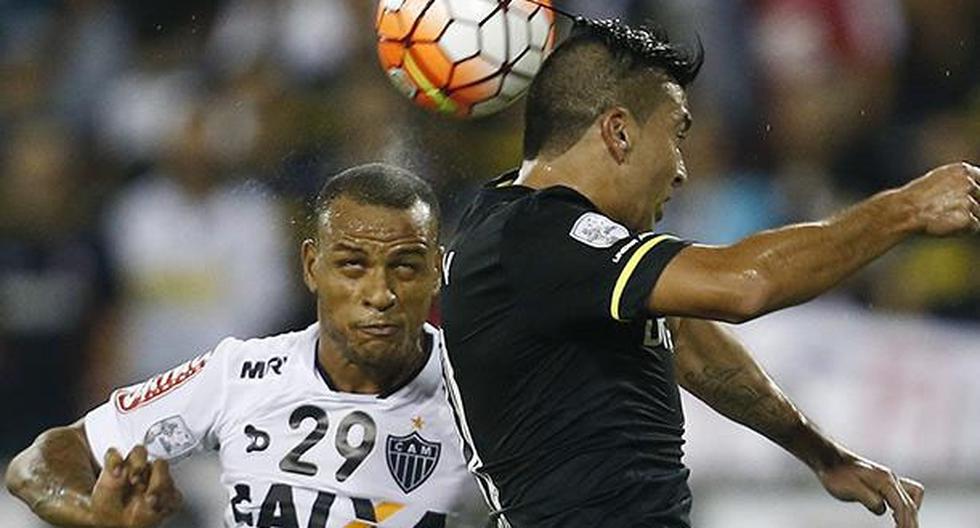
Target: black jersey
x,y
562,382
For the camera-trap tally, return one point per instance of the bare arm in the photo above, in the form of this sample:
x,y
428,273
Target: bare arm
x,y
55,476
787,266
58,478
713,366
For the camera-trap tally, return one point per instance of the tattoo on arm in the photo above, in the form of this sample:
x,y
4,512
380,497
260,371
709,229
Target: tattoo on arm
x,y
754,402
713,366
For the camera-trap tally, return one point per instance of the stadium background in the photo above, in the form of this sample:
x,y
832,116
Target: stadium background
x,y
155,158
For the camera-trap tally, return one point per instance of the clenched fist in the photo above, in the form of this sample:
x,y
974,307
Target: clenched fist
x,y
133,493
946,200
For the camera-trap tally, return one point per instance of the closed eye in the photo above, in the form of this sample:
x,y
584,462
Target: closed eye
x,y
350,264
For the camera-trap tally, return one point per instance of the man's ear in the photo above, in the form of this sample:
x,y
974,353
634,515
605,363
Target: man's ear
x,y
614,130
440,270
310,255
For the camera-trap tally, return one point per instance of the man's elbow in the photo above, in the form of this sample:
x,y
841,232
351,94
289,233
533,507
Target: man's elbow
x,y
751,296
15,477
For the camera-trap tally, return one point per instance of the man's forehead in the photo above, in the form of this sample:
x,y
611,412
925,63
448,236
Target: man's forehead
x,y
353,221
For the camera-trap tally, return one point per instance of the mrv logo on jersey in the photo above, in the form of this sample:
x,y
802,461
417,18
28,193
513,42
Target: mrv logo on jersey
x,y
258,369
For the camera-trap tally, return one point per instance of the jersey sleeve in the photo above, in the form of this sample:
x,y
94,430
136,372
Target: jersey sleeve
x,y
173,414
570,264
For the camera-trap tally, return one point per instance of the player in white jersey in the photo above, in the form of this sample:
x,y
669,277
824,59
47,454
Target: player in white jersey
x,y
342,425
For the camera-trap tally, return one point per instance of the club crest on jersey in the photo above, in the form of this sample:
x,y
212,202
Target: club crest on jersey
x,y
169,438
131,399
598,231
411,459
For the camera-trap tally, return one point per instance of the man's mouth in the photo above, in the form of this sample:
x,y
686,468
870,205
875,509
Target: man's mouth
x,y
379,329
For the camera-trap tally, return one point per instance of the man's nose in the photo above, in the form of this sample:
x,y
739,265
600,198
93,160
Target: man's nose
x,y
681,176
680,179
378,293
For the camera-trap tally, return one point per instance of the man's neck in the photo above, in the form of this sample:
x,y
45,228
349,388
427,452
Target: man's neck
x,y
592,182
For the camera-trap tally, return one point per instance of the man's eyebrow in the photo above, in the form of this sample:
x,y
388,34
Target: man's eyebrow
x,y
413,249
343,246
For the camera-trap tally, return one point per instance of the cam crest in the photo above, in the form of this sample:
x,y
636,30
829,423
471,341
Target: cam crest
x,y
411,459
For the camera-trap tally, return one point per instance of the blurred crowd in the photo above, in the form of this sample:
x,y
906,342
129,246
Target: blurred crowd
x,y
157,158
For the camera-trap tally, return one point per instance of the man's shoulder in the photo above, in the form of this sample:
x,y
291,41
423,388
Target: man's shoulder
x,y
252,357
561,213
512,208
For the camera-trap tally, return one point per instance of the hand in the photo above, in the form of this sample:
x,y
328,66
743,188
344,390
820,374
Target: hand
x,y
855,479
947,199
133,493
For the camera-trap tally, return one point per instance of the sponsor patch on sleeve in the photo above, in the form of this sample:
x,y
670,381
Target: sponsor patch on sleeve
x,y
128,400
598,231
169,438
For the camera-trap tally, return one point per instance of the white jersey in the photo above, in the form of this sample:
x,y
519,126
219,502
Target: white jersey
x,y
295,453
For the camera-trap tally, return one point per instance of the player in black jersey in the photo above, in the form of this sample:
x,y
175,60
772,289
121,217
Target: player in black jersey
x,y
562,367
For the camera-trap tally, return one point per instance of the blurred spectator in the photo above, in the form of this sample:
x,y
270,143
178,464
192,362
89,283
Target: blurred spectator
x,y
942,67
141,109
56,290
201,255
309,38
97,45
721,204
828,83
163,145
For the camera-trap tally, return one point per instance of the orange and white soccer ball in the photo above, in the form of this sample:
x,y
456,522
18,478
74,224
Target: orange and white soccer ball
x,y
464,58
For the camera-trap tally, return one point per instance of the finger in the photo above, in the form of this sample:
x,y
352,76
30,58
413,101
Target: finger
x,y
137,467
113,463
161,492
871,499
975,188
111,484
900,506
974,205
972,170
913,511
915,490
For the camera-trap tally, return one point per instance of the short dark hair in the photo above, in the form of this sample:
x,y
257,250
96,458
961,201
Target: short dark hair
x,y
603,63
376,184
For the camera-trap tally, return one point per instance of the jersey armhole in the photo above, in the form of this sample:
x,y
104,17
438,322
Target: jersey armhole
x,y
222,356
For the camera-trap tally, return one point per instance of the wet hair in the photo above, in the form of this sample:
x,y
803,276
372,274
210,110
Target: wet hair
x,y
602,64
377,184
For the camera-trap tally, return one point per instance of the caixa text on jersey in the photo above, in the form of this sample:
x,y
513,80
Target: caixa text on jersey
x,y
278,510
130,399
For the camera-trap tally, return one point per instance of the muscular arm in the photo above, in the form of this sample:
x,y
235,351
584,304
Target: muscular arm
x,y
713,366
55,476
787,266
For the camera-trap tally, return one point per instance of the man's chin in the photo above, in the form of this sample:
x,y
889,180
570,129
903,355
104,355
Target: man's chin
x,y
376,352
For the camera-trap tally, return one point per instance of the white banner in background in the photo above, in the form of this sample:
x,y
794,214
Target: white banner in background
x,y
901,391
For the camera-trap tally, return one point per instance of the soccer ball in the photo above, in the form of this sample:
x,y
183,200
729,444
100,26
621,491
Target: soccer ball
x,y
464,58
